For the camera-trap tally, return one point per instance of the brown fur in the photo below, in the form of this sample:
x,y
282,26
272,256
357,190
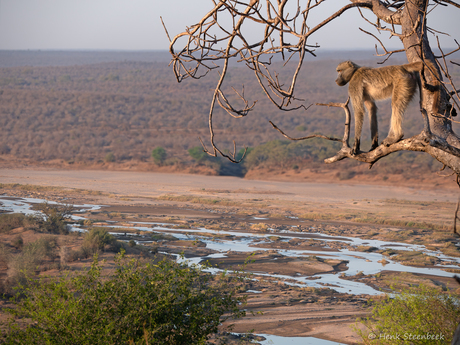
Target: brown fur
x,y
366,85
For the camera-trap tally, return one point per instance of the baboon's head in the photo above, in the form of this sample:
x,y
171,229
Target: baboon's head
x,y
345,70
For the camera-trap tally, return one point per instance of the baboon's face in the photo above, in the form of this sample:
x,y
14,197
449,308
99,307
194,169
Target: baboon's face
x,y
340,80
345,71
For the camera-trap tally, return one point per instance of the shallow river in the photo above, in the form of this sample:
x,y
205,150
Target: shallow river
x,y
365,262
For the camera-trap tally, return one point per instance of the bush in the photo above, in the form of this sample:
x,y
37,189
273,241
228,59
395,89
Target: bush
x,y
17,242
415,316
27,263
198,154
4,256
47,245
55,218
98,239
81,253
345,174
12,221
159,155
109,157
284,153
163,303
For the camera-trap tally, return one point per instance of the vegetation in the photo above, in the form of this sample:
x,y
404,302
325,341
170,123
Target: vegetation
x,y
10,221
284,153
55,218
198,154
29,259
109,157
165,302
27,262
98,239
419,315
17,242
159,155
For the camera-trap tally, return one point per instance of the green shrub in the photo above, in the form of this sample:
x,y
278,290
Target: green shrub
x,y
345,174
162,303
159,155
55,218
27,263
243,153
415,316
12,221
109,157
283,152
81,253
198,154
47,245
17,242
4,256
98,239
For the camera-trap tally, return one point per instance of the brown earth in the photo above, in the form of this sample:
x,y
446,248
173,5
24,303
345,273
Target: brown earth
x,y
419,178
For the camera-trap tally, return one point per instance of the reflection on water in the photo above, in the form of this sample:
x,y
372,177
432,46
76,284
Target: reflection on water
x,y
24,205
276,340
365,262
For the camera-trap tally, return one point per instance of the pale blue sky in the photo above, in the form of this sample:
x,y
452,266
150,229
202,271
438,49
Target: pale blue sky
x,y
135,24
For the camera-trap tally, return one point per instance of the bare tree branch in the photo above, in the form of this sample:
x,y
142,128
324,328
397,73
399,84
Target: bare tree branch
x,y
203,40
344,106
455,221
381,11
304,138
286,31
416,143
387,53
448,2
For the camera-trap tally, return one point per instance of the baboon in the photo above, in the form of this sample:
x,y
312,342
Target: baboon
x,y
370,84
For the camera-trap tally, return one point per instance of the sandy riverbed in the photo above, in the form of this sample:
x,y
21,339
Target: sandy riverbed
x,y
287,310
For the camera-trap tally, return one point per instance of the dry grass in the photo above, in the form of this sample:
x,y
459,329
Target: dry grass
x,y
404,279
30,187
259,227
450,249
198,200
414,258
319,216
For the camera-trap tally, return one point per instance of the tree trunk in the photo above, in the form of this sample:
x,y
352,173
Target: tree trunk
x,y
434,103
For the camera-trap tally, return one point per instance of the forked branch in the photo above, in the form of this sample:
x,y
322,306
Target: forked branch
x,y
220,36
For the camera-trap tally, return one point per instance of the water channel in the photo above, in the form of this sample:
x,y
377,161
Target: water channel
x,y
365,262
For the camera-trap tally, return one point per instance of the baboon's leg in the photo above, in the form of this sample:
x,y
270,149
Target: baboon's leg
x,y
396,133
372,111
402,95
358,109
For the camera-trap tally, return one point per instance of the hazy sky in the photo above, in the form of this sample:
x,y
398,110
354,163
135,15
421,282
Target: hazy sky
x,y
135,24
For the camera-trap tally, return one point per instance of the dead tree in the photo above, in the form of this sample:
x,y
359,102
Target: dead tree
x,y
226,33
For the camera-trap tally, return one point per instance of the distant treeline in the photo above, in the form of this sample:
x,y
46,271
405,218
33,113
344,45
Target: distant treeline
x,y
125,108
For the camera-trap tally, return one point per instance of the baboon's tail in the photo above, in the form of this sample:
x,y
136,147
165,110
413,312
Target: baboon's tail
x,y
414,66
429,66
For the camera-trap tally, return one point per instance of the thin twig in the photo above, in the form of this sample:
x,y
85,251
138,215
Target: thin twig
x,y
166,30
305,138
